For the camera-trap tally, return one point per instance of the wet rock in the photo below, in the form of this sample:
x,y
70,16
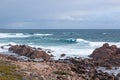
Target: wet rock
x,y
2,47
106,45
88,72
118,76
9,45
39,48
30,52
48,51
51,55
62,55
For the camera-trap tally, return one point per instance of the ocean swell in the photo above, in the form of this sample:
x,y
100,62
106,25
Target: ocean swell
x,y
13,35
36,34
21,35
72,40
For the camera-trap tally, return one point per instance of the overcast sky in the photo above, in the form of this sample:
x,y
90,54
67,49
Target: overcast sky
x,y
60,14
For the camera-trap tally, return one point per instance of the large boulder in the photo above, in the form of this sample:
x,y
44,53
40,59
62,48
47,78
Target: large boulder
x,y
105,52
107,55
22,50
30,52
40,54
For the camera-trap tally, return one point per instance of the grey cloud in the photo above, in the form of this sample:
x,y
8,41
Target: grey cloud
x,y
39,13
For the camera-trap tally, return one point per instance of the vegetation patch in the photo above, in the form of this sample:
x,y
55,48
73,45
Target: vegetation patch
x,y
8,71
61,73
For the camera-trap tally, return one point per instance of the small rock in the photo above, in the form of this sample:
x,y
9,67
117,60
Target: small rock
x,y
63,55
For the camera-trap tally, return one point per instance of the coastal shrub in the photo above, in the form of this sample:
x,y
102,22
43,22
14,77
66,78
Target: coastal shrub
x,y
61,73
8,71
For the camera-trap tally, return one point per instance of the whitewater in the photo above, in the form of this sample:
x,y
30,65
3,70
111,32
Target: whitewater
x,y
73,43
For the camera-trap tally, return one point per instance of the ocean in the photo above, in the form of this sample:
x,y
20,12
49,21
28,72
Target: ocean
x,y
72,42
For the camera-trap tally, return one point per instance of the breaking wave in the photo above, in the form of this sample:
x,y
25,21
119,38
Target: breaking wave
x,y
20,35
71,40
42,34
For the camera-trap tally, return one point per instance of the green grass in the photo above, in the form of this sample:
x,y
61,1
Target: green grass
x,y
8,71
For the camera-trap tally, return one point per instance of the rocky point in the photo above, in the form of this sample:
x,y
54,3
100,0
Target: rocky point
x,y
30,52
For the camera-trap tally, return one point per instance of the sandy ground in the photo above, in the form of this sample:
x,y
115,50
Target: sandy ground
x,y
44,70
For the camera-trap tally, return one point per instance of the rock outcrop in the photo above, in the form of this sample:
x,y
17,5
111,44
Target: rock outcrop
x,y
104,52
107,55
30,52
69,69
86,68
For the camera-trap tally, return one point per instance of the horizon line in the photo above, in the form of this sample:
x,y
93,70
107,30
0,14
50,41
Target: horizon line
x,y
59,29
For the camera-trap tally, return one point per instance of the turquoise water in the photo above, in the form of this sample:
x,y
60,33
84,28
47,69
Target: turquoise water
x,y
71,42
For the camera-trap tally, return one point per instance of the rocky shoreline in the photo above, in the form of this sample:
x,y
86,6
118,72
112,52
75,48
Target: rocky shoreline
x,y
46,68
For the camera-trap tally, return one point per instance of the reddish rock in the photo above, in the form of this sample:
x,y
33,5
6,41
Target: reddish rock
x,y
28,51
40,54
105,52
106,45
107,55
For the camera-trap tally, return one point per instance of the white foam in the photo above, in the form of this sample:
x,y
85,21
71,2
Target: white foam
x,y
13,43
82,40
75,50
5,47
110,71
4,44
42,34
96,44
71,50
13,35
105,33
99,44
19,34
